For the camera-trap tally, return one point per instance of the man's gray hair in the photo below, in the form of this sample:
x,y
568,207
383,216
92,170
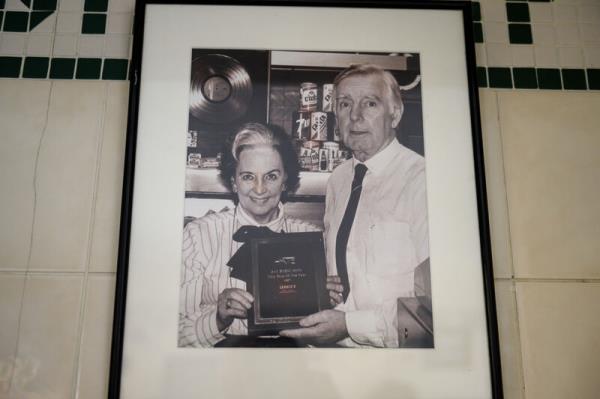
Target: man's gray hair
x,y
391,84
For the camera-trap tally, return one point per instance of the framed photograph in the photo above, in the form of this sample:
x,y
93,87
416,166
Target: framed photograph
x,y
304,187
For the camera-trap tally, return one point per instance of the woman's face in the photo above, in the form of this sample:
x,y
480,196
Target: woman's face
x,y
259,181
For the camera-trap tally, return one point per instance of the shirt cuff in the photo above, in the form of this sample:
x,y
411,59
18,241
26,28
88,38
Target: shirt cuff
x,y
362,327
207,330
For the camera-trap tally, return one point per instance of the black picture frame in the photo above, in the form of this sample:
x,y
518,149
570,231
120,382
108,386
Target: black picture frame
x,y
122,308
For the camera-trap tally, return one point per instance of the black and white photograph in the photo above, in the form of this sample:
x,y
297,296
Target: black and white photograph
x,y
281,143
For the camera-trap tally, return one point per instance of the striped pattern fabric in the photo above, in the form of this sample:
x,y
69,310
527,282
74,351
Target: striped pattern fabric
x,y
207,247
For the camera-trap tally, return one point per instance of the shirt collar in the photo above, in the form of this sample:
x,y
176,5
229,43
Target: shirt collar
x,y
276,225
377,164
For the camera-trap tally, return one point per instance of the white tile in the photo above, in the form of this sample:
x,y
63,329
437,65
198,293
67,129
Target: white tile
x,y
116,46
39,45
65,45
589,14
510,345
570,57
496,190
91,46
68,22
543,34
550,145
540,12
545,57
47,25
94,357
71,5
23,106
592,57
559,324
499,54
522,56
15,5
66,176
567,34
493,11
565,13
12,43
495,32
480,54
11,293
119,23
48,338
105,238
121,6
590,33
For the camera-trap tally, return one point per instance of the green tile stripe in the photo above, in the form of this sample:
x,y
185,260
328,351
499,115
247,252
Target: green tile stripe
x,y
538,78
63,68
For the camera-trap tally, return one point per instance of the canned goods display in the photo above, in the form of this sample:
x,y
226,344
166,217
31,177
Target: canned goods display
x,y
327,98
318,126
308,96
301,125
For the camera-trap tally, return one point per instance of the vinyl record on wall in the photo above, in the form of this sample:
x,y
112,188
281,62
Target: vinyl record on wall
x,y
221,89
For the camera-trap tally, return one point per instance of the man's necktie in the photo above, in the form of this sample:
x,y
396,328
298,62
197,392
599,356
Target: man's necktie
x,y
341,241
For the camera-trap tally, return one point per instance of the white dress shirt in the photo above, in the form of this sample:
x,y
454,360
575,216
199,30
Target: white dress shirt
x,y
207,247
388,240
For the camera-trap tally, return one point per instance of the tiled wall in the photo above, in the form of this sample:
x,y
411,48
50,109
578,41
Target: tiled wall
x,y
61,147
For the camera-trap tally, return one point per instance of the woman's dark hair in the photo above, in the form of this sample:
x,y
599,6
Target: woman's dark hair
x,y
253,134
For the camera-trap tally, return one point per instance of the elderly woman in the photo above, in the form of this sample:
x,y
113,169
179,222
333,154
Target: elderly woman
x,y
261,167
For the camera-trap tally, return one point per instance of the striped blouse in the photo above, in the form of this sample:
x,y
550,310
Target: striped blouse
x,y
207,247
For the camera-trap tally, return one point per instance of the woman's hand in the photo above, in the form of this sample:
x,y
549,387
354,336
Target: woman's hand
x,y
233,303
335,287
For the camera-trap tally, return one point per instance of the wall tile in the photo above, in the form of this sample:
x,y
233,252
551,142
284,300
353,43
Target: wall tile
x,y
12,43
522,56
117,46
550,144
47,25
94,358
545,56
480,54
11,293
590,33
495,32
105,238
541,12
65,45
565,13
567,34
499,55
39,45
589,14
493,11
543,34
48,338
68,22
592,57
496,190
66,176
559,324
72,5
121,5
23,105
15,5
119,23
90,45
570,57
510,345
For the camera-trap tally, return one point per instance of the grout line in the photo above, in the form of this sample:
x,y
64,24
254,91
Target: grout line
x,y
33,217
520,339
52,273
549,280
90,240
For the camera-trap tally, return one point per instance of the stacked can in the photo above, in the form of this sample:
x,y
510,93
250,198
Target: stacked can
x,y
314,130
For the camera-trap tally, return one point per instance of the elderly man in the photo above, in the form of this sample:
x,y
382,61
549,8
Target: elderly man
x,y
376,227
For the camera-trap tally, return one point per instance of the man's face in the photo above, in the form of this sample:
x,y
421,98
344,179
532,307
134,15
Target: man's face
x,y
366,117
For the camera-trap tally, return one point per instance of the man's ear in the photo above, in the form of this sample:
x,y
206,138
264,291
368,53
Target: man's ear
x,y
397,115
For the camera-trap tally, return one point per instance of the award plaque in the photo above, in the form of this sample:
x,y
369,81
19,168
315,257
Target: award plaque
x,y
288,281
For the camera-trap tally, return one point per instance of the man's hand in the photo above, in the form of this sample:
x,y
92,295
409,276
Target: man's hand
x,y
325,327
335,288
